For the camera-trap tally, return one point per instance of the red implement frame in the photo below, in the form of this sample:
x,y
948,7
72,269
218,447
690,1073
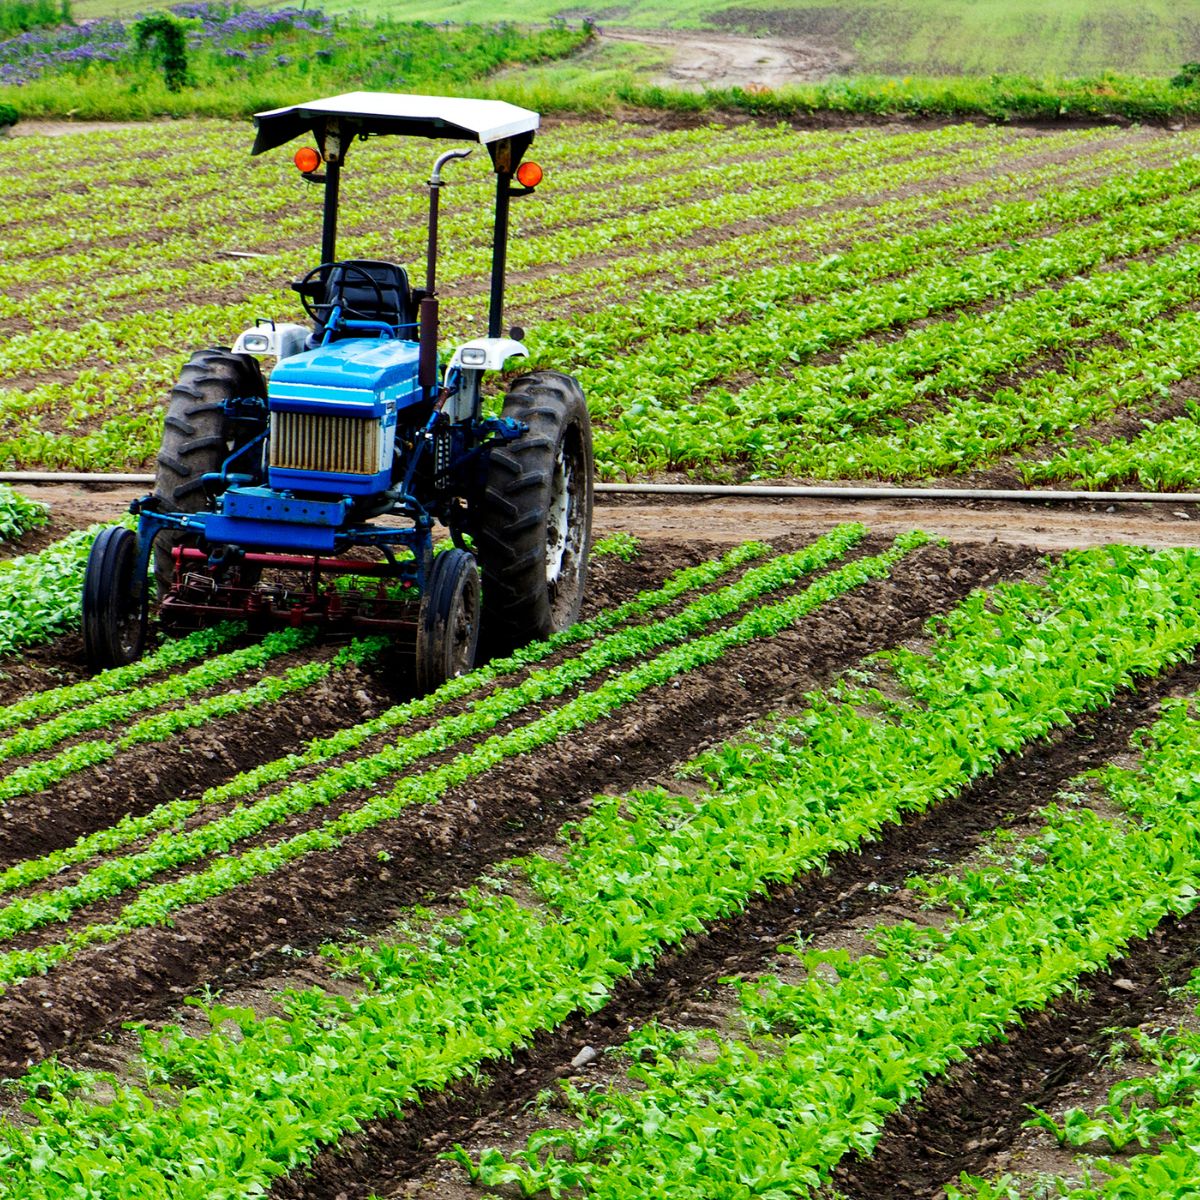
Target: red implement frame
x,y
198,598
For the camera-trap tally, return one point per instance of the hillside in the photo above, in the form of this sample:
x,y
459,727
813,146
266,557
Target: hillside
x,y
899,37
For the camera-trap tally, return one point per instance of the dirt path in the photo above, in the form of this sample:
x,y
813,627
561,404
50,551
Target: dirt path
x,y
1044,527
700,58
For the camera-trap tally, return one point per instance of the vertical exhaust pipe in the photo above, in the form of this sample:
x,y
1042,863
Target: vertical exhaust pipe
x,y
428,315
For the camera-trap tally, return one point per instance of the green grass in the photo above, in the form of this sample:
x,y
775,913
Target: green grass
x,y
18,15
239,66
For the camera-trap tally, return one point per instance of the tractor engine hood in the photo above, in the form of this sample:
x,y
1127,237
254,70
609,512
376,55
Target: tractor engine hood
x,y
334,412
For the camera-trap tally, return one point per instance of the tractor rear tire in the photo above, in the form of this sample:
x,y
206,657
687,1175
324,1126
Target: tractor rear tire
x,y
448,623
533,523
114,603
197,438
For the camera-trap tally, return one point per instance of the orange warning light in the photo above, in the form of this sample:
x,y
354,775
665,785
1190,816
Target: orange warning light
x,y
307,159
529,174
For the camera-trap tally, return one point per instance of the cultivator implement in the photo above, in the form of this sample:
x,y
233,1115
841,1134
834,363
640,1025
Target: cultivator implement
x,y
332,593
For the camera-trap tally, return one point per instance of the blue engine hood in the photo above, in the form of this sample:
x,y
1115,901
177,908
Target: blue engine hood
x,y
376,373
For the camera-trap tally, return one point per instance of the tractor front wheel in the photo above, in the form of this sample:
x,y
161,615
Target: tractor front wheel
x,y
114,602
533,522
448,623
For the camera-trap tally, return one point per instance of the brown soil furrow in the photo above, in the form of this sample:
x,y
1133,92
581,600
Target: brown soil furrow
x,y
237,293
962,1120
147,775
532,223
351,800
435,850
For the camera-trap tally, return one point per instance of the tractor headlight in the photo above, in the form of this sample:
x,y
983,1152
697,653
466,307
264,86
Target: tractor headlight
x,y
256,343
472,356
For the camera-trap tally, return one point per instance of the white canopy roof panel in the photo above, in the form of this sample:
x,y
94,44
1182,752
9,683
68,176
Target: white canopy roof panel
x,y
455,117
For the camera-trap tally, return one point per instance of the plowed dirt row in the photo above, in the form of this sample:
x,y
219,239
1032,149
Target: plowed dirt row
x,y
259,939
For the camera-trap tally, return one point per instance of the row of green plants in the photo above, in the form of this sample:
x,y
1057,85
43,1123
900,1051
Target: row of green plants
x,y
40,594
19,514
906,407
393,724
213,844
634,876
1154,1110
167,725
1161,456
571,222
384,188
116,711
96,391
829,1059
661,421
1137,375
171,654
815,1067
58,307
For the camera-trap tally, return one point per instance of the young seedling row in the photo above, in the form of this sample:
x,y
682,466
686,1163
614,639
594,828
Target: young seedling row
x,y
920,272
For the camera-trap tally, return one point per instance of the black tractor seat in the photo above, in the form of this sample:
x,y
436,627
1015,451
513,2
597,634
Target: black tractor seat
x,y
398,307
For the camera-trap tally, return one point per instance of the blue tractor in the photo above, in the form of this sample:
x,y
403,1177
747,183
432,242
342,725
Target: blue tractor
x,y
312,499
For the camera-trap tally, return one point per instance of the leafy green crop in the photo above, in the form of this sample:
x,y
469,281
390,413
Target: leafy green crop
x,y
40,593
1003,669
18,514
841,1050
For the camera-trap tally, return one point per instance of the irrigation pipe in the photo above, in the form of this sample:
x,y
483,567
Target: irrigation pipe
x,y
747,490
773,492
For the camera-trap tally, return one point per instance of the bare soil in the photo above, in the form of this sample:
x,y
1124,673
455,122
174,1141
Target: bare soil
x,y
664,521
705,59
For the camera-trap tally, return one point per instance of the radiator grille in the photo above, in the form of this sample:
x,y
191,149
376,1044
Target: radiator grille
x,y
316,442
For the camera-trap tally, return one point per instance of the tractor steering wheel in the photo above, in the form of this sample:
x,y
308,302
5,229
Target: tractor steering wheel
x,y
324,271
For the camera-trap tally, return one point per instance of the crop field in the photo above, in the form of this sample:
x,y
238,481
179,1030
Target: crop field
x,y
792,870
740,303
846,863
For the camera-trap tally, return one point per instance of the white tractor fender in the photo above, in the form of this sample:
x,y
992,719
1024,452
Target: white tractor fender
x,y
486,354
268,339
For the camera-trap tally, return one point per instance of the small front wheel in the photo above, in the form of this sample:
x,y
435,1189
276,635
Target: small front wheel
x,y
448,623
114,602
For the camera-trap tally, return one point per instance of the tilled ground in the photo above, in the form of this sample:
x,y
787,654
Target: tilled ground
x,y
250,943
515,807
965,1122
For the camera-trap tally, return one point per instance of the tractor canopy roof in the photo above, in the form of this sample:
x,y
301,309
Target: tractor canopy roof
x,y
371,113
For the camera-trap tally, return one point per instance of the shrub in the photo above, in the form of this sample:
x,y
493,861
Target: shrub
x,y
165,34
16,16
